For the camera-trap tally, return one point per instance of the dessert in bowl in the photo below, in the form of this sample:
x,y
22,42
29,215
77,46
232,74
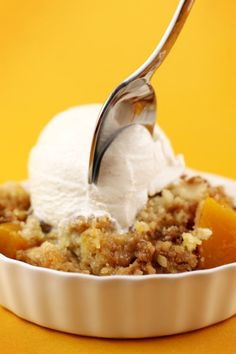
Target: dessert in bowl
x,y
147,251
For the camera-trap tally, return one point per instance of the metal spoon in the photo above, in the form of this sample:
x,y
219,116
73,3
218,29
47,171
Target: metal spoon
x,y
134,100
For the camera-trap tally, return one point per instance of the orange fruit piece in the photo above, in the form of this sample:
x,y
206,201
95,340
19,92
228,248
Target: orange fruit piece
x,y
11,239
220,248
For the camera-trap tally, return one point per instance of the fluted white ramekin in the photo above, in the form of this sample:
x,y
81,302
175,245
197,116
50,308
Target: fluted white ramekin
x,y
120,306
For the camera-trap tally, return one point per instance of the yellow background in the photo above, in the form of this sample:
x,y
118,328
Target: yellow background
x,y
55,54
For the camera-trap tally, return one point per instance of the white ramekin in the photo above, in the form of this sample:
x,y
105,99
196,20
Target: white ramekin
x,y
120,306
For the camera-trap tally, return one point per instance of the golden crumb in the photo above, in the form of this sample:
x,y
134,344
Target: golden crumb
x,y
51,256
14,202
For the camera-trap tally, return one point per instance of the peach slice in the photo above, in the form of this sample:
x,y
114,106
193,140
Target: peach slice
x,y
220,248
11,240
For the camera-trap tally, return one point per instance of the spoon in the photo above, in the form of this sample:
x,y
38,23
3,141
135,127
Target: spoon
x,y
134,100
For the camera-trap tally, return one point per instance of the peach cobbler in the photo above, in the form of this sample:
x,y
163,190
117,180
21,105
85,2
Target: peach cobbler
x,y
179,230
143,216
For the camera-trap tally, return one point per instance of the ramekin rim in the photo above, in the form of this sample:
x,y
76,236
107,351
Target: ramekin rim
x,y
63,274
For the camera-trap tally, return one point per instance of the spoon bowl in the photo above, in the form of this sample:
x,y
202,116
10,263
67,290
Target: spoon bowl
x,y
133,102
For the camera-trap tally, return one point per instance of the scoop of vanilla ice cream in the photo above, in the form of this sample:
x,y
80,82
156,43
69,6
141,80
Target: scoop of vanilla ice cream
x,y
134,166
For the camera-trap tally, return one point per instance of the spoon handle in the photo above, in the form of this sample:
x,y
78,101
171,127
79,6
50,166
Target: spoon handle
x,y
157,57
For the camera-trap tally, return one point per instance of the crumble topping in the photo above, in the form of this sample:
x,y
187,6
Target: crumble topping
x,y
163,239
14,202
